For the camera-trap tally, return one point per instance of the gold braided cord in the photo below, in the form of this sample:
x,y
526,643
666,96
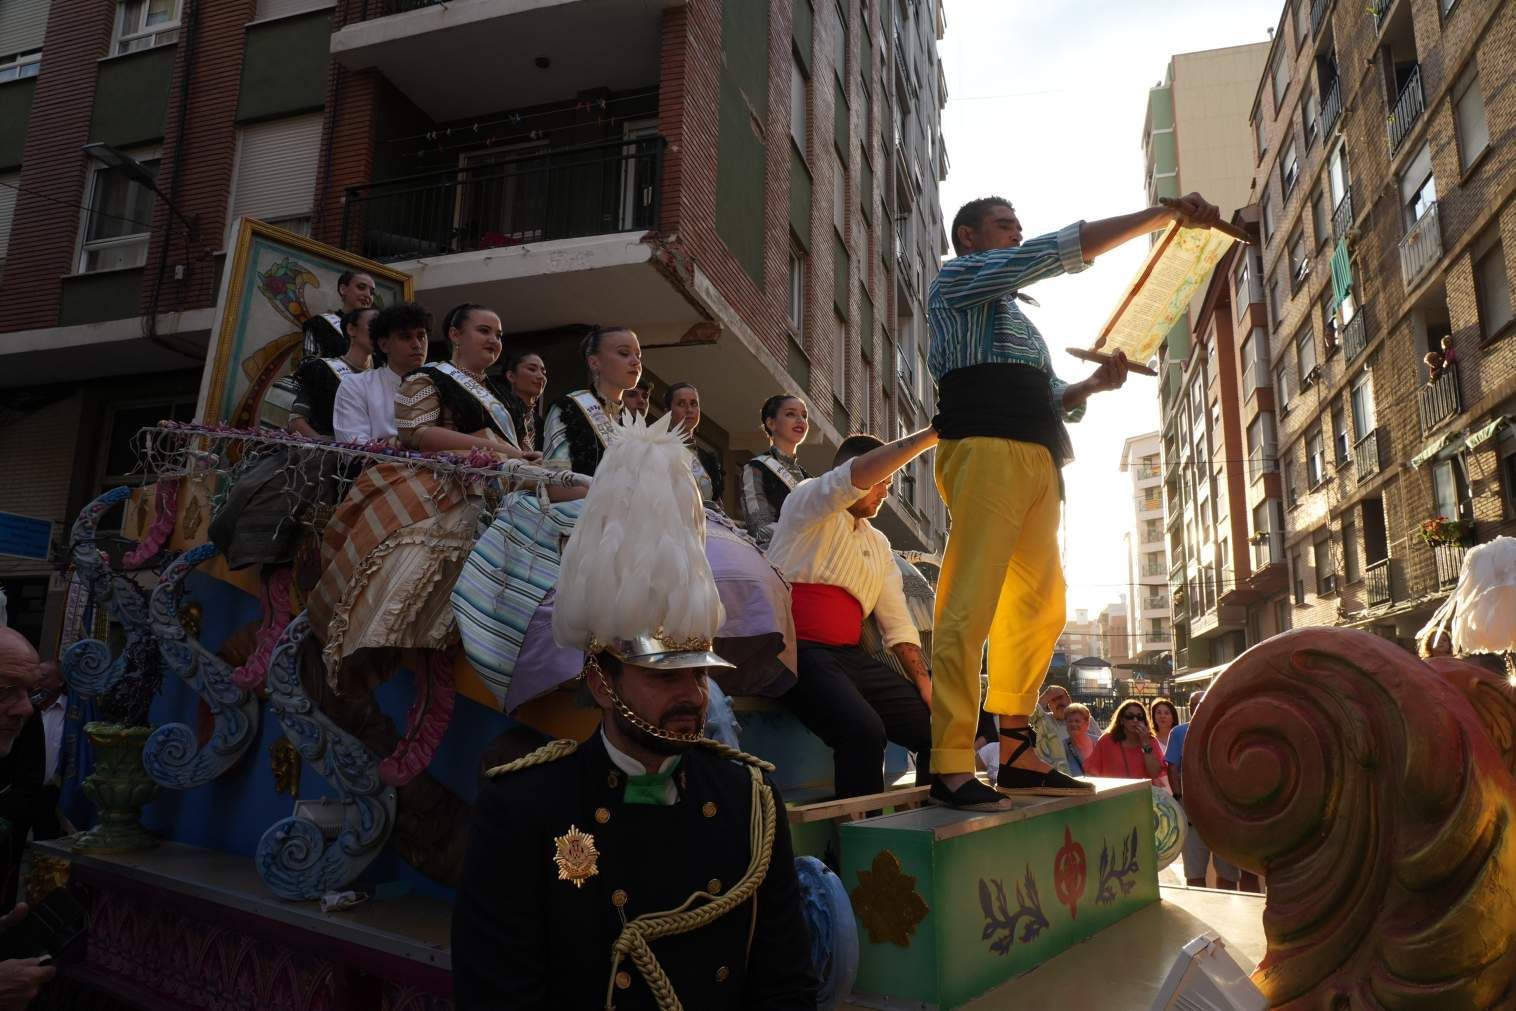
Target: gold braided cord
x,y
635,936
550,752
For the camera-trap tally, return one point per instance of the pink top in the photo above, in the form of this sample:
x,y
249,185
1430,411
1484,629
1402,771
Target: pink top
x,y
1111,758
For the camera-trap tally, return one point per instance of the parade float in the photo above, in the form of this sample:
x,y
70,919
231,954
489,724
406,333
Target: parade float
x,y
260,840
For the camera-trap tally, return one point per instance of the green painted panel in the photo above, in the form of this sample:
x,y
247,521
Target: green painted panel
x,y
1165,156
800,198
866,324
841,263
994,908
15,111
840,117
284,67
1161,108
131,97
799,367
804,31
1167,186
739,180
745,44
95,298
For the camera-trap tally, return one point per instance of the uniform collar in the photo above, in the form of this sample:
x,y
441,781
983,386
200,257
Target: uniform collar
x,y
627,763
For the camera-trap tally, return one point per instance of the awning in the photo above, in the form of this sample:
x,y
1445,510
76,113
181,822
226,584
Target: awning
x,y
1488,432
1445,446
1202,675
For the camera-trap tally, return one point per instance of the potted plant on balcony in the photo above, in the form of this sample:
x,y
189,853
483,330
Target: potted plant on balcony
x,y
1441,530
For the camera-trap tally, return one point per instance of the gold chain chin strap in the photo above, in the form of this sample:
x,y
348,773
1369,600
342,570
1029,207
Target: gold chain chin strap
x,y
635,935
592,666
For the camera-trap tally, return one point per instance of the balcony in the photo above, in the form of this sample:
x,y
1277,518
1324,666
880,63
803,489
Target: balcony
x,y
595,190
1261,461
1407,110
1267,549
467,58
1449,562
1379,590
1354,337
1380,9
1439,399
1342,214
1331,108
1421,247
1366,456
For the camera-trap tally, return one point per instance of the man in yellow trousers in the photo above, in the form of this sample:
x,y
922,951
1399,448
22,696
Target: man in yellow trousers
x,y
1001,414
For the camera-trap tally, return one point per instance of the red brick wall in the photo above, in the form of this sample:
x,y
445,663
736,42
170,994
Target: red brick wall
x,y
347,152
196,169
44,233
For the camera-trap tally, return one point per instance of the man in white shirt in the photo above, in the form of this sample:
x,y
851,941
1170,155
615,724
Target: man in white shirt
x,y
364,410
841,570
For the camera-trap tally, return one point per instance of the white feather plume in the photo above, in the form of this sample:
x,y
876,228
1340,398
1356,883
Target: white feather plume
x,y
635,562
1480,613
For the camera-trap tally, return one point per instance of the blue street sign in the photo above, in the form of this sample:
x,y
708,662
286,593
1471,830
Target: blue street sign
x,y
25,536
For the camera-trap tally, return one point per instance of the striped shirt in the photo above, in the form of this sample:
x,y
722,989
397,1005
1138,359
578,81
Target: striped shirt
x,y
818,541
975,318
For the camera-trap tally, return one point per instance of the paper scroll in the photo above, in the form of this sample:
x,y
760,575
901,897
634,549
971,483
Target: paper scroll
x,y
1159,296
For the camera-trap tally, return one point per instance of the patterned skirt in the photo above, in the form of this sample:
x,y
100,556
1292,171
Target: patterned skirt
x,y
391,551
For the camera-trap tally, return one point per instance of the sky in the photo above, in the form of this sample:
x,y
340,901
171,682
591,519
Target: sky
x,y
1046,100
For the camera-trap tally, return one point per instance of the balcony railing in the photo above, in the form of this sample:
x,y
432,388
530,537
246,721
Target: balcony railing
x,y
563,194
1449,559
1342,215
1366,458
1331,107
1378,578
1421,247
1408,108
384,8
1380,9
1439,399
1261,461
1354,337
1268,550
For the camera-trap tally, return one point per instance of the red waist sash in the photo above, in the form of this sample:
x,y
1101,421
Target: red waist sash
x,y
826,614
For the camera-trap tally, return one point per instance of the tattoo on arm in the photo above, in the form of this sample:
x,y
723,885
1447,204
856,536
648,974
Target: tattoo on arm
x,y
911,658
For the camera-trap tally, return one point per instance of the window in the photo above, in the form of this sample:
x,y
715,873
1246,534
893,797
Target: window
x,y
8,184
797,292
1362,401
1297,571
1289,169
1300,264
1493,288
839,43
1326,570
1350,573
1281,615
1508,472
839,198
143,24
799,104
1274,316
1281,76
275,176
1261,448
1315,458
1302,21
1337,176
1319,218
840,362
1282,385
1310,115
20,65
1259,144
1340,436
118,222
1449,489
1241,297
1468,113
1291,478
1305,351
1418,189
1267,221
905,364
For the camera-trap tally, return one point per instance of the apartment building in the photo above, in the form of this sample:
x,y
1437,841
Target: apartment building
x,y
1113,633
1148,564
1081,637
752,187
1385,175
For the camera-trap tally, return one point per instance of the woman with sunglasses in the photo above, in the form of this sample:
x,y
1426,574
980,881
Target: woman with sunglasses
x,y
1128,750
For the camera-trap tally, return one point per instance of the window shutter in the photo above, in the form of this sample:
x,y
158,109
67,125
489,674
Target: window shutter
x,y
7,209
284,8
276,169
22,25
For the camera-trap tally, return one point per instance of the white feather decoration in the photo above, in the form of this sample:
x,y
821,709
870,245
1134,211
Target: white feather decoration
x,y
635,562
1481,610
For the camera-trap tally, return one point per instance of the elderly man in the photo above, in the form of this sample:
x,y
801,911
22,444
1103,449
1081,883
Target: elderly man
x,y
1197,855
20,978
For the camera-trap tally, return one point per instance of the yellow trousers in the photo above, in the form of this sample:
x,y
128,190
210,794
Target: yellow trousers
x,y
1001,580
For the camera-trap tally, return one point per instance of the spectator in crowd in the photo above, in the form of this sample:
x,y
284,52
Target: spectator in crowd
x,y
1128,750
1197,855
1082,737
637,398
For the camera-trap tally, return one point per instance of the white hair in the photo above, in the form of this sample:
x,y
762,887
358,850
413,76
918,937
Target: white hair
x,y
635,563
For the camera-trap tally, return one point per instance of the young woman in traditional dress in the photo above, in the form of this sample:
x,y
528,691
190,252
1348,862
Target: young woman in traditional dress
x,y
526,374
682,401
504,597
769,477
324,335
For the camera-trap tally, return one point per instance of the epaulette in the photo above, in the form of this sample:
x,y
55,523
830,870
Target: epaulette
x,y
725,751
550,752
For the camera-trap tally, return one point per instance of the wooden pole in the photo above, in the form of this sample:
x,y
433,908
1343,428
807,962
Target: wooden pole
x,y
1100,359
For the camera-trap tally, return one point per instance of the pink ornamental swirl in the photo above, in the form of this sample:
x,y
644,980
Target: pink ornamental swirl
x,y
166,514
276,616
427,722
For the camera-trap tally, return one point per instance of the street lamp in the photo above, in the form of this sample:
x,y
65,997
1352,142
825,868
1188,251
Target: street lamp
x,y
137,173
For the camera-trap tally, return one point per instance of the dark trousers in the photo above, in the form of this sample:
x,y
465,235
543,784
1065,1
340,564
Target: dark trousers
x,y
856,705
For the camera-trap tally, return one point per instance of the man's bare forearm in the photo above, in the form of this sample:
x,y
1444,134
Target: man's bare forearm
x,y
1096,237
880,464
912,659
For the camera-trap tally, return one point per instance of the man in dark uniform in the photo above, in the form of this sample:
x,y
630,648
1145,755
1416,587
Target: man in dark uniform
x,y
646,867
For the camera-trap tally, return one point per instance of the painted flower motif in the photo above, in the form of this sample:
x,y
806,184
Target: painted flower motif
x,y
887,903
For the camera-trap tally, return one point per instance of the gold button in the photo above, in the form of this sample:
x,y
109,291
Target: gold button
x,y
722,974
713,886
623,980
618,898
708,809
612,780
602,815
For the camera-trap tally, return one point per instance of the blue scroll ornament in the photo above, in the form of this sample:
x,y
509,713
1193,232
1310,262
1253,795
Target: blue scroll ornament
x,y
173,755
87,665
294,858
833,930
